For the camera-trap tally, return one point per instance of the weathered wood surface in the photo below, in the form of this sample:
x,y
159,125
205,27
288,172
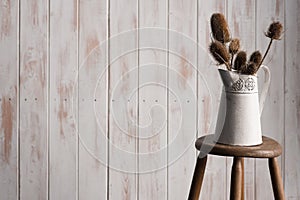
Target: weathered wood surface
x,y
291,66
34,100
63,149
182,88
92,99
152,146
123,100
9,71
269,149
65,116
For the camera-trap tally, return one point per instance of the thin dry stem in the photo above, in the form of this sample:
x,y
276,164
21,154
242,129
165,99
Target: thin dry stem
x,y
267,51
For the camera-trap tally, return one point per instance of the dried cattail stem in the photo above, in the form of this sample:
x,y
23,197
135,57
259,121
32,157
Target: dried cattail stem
x,y
219,28
220,53
240,61
256,57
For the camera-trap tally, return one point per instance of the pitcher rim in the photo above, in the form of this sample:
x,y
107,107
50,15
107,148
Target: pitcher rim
x,y
240,74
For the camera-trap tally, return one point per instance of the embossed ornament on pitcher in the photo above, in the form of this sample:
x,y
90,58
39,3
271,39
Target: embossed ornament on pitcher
x,y
242,124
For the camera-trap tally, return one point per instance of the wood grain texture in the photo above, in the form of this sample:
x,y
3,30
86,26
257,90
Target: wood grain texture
x,y
241,20
209,96
152,152
292,100
33,100
92,83
63,99
277,183
236,179
182,96
198,177
9,99
123,85
270,11
269,149
30,104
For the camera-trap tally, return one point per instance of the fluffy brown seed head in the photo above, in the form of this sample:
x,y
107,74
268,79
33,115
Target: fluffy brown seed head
x,y
250,69
219,52
219,27
274,31
256,57
240,60
234,46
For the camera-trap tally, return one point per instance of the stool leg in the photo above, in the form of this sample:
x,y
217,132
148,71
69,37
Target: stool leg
x,y
243,179
276,179
197,178
236,179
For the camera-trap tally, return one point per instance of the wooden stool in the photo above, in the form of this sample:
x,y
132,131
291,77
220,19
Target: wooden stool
x,y
269,149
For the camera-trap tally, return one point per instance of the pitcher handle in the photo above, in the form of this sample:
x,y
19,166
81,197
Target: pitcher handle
x,y
265,88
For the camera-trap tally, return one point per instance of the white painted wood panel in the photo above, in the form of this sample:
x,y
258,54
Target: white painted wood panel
x,y
209,87
63,100
292,100
9,71
182,87
33,100
92,98
123,94
152,151
241,20
272,126
120,120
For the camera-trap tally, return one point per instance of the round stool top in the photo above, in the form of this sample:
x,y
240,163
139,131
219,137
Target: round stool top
x,y
268,149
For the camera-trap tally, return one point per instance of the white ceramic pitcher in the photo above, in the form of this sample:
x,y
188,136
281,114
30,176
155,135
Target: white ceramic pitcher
x,y
242,109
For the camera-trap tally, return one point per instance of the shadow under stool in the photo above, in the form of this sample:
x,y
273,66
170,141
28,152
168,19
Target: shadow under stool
x,y
268,149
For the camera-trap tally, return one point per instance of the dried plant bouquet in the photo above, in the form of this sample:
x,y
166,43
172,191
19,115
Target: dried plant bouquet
x,y
226,50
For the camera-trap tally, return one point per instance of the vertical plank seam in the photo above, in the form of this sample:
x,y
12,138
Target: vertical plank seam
x,y
197,75
77,110
137,178
18,97
284,94
255,29
226,158
168,93
48,100
108,98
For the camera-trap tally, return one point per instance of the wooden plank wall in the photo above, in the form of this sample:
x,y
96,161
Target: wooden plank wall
x,y
103,99
33,128
9,99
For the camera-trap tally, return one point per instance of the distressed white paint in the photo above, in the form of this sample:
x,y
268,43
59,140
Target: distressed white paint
x,y
77,167
292,101
123,85
92,98
9,98
33,100
182,96
63,100
152,151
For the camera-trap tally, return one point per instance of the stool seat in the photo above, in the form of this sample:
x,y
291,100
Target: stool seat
x,y
268,149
